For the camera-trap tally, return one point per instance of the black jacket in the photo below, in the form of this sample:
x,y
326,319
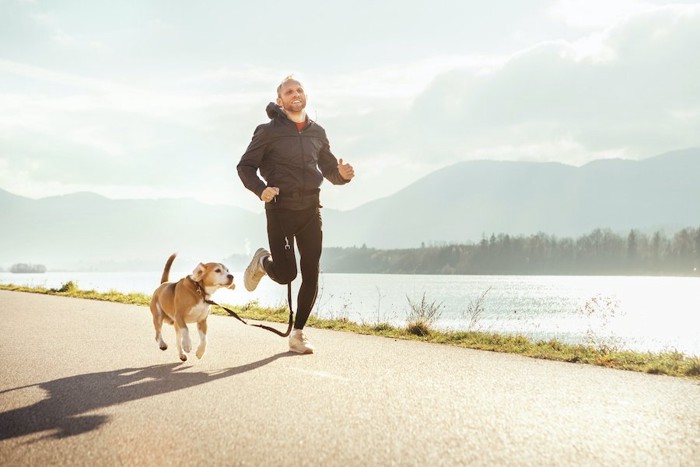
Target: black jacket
x,y
293,161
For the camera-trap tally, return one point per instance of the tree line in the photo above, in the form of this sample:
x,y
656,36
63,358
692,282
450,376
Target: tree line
x,y
23,268
601,252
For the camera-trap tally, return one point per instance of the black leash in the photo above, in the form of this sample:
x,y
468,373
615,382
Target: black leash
x,y
289,256
267,328
200,291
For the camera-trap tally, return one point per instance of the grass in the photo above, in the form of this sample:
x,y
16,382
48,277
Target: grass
x,y
421,316
665,363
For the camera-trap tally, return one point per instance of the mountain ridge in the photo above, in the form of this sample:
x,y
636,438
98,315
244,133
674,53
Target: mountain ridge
x,y
461,203
527,197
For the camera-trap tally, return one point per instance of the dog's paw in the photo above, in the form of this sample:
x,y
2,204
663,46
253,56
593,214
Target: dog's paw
x,y
161,343
200,352
183,357
186,343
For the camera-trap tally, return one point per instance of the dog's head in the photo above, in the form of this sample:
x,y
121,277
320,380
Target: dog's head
x,y
213,275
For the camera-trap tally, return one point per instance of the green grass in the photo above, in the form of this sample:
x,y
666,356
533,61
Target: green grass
x,y
666,363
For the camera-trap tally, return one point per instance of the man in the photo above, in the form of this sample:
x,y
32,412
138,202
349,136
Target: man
x,y
293,156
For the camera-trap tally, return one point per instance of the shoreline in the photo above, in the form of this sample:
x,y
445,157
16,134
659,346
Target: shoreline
x,y
664,363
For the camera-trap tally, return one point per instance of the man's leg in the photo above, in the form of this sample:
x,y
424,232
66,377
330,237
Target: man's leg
x,y
283,269
305,228
309,242
308,239
282,265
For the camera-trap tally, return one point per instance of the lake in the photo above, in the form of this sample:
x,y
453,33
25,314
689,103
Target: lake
x,y
639,313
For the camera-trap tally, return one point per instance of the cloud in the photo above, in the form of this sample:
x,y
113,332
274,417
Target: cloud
x,y
112,133
597,13
629,91
636,93
98,135
110,106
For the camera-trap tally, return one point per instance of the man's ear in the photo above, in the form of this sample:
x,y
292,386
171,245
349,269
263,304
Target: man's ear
x,y
279,101
199,272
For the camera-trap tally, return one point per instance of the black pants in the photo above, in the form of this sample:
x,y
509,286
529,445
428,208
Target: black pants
x,y
305,228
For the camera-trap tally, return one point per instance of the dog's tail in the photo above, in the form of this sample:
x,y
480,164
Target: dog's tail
x,y
166,271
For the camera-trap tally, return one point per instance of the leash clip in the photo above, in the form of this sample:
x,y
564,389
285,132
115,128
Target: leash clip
x,y
287,246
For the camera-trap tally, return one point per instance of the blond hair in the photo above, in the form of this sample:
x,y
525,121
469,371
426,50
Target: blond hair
x,y
288,79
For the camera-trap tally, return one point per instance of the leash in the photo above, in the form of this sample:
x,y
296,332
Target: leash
x,y
289,257
262,326
200,291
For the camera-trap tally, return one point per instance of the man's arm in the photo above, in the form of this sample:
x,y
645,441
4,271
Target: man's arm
x,y
250,163
328,164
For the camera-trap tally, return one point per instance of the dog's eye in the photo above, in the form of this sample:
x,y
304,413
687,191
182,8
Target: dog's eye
x,y
218,270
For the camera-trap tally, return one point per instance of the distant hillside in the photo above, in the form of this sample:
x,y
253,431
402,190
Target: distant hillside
x,y
468,200
457,204
87,230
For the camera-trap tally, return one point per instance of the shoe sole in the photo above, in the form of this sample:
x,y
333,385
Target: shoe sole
x,y
249,279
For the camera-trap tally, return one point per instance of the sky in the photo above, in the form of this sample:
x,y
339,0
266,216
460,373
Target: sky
x,y
159,99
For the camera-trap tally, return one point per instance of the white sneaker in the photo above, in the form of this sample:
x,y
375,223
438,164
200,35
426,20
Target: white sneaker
x,y
300,344
254,272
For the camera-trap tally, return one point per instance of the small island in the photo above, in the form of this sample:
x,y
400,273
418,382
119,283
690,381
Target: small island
x,y
22,268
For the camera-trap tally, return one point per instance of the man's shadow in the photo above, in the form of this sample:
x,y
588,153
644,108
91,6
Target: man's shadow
x,y
69,398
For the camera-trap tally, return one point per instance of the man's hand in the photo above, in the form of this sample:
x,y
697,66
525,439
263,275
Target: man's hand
x,y
269,193
346,170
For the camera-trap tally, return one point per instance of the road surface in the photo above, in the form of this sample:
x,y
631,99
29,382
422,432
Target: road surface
x,y
83,383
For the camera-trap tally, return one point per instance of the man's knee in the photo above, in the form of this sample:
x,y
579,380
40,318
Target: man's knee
x,y
279,273
286,277
310,270
310,264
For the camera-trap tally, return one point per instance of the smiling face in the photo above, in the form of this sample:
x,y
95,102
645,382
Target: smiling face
x,y
291,96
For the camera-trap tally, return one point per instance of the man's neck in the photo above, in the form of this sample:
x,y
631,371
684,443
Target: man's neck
x,y
296,117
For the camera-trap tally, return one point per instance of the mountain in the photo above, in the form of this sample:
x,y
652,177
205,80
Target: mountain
x,y
84,230
468,200
457,204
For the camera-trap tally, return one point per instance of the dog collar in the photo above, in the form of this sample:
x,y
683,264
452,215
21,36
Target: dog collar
x,y
198,287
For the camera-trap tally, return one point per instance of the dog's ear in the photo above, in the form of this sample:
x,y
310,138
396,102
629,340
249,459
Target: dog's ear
x,y
199,272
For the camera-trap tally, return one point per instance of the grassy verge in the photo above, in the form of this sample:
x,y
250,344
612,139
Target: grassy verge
x,y
667,363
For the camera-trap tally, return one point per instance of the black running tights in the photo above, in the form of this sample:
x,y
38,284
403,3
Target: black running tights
x,y
305,227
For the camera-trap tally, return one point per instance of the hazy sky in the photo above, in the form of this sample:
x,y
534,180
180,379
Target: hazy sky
x,y
135,99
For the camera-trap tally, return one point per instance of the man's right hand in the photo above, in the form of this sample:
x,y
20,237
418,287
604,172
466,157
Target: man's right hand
x,y
269,194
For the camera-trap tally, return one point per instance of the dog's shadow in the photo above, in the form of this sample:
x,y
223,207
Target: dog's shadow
x,y
63,411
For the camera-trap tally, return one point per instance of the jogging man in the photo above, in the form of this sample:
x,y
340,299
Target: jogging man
x,y
293,156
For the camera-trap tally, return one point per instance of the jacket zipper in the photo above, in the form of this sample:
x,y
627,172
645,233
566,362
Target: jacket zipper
x,y
303,162
301,147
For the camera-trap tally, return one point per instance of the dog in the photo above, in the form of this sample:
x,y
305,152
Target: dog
x,y
182,302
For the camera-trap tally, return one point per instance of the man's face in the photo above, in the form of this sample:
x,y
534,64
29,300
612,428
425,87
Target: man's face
x,y
291,97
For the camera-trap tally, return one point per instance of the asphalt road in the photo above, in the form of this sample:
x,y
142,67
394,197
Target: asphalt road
x,y
83,383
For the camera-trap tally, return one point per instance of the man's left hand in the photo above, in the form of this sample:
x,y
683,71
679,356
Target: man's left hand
x,y
346,170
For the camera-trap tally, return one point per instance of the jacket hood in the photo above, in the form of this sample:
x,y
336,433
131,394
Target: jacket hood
x,y
273,110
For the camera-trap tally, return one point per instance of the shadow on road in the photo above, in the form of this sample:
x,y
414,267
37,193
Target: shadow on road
x,y
70,398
